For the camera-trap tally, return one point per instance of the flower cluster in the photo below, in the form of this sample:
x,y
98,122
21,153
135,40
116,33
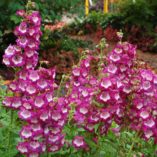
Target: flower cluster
x,y
83,88
115,85
104,99
129,93
144,105
123,93
24,53
34,90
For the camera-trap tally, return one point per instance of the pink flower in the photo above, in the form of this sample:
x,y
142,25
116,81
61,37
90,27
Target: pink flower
x,y
35,18
104,115
21,29
39,101
25,114
106,83
26,132
21,13
10,51
22,41
78,142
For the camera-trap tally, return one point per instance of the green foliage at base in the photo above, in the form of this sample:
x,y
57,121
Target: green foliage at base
x,y
9,128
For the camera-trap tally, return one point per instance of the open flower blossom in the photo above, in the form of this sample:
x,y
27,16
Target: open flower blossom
x,y
79,142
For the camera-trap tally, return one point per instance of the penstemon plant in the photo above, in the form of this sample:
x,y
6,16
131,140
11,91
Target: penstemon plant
x,y
33,90
101,92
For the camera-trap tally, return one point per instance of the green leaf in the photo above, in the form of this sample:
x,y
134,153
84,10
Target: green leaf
x,y
15,19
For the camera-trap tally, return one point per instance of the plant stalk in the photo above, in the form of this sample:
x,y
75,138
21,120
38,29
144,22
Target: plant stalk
x,y
60,86
10,125
132,145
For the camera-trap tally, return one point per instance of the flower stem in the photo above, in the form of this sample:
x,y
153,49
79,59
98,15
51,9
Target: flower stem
x,y
60,86
48,155
132,145
10,125
102,46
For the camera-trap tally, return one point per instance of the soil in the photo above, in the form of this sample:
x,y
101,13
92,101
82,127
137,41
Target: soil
x,y
149,58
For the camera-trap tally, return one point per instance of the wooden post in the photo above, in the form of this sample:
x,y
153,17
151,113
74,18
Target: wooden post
x,y
86,7
106,3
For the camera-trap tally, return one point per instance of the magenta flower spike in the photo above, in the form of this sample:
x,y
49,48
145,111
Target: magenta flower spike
x,y
34,88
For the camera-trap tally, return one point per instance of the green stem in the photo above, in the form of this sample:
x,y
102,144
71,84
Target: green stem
x,y
10,125
132,145
60,85
48,154
101,55
102,46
